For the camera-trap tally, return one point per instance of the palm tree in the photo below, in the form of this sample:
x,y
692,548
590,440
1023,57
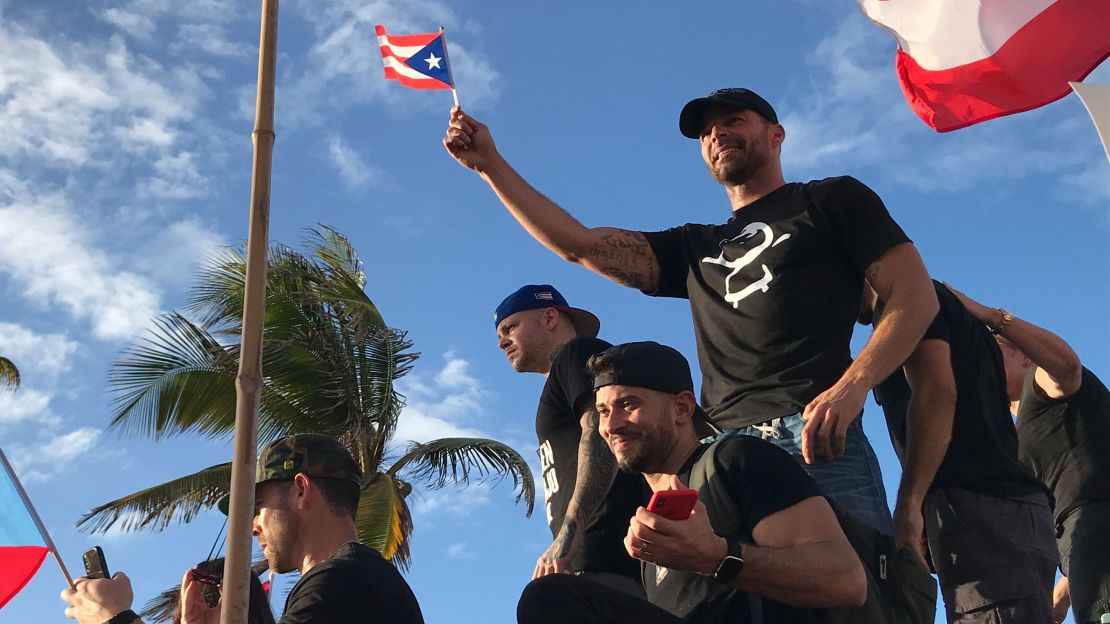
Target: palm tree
x,y
329,366
9,374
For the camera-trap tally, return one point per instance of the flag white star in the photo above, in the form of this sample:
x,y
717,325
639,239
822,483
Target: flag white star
x,y
432,61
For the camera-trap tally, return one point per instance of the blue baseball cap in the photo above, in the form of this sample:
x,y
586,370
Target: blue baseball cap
x,y
540,296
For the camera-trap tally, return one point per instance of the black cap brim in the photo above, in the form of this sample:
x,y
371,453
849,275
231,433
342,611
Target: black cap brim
x,y
585,323
692,117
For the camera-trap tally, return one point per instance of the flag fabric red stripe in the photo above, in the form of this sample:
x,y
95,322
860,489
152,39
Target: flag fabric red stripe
x,y
1030,70
415,83
406,40
19,564
961,63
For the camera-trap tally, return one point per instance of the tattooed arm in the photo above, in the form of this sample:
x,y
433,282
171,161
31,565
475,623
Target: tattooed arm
x,y
621,255
596,470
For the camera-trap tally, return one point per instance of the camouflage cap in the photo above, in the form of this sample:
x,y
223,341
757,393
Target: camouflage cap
x,y
311,454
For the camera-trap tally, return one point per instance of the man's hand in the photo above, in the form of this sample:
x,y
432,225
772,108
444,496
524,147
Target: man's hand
x,y
94,601
1061,600
194,610
469,142
827,419
909,531
557,558
687,545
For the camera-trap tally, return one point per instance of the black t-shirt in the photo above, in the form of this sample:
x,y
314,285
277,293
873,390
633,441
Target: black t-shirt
x,y
568,391
774,293
982,455
355,586
752,479
1065,441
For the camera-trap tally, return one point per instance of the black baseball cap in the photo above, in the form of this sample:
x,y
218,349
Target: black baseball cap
x,y
690,119
647,365
538,296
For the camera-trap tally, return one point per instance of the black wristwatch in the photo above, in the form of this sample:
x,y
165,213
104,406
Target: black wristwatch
x,y
730,566
123,617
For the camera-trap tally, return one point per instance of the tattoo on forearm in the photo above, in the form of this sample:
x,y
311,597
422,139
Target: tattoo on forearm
x,y
566,538
626,257
596,470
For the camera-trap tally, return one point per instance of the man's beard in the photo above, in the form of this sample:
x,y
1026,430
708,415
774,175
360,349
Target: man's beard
x,y
280,544
738,171
653,447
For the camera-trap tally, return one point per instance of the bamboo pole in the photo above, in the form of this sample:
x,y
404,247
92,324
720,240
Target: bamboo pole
x,y
248,383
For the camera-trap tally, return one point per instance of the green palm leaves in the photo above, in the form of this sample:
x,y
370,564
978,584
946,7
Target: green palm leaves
x,y
9,374
329,364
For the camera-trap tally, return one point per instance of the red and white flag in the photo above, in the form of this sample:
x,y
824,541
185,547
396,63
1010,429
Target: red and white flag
x,y
961,62
416,61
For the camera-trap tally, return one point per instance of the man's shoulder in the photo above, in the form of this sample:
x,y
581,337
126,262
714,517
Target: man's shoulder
x,y
827,187
744,452
576,351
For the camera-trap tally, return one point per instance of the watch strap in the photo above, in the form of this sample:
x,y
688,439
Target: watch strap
x,y
732,564
123,617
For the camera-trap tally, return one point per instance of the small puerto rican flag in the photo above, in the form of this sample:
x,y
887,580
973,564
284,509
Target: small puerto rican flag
x,y
544,295
416,61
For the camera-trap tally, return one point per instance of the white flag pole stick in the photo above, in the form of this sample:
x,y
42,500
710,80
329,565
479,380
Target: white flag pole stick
x,y
35,516
447,60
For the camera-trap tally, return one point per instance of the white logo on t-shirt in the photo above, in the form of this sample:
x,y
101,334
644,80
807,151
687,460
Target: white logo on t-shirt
x,y
763,283
550,477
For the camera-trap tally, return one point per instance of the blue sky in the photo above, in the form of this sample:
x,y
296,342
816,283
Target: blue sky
x,y
125,158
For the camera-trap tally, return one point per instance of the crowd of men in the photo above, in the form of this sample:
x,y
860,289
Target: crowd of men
x,y
786,479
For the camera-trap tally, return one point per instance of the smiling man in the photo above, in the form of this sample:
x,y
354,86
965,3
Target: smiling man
x,y
773,292
761,534
306,500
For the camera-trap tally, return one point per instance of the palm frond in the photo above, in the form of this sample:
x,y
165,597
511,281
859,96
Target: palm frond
x,y
454,460
179,500
9,374
176,380
384,521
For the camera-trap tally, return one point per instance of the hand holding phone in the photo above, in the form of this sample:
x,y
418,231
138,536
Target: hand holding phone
x,y
673,504
95,566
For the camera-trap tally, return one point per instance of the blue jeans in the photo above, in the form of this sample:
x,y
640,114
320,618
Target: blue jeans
x,y
853,480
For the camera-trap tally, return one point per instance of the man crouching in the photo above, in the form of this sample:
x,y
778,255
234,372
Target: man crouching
x,y
783,552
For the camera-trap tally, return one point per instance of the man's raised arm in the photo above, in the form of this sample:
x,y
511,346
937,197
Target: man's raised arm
x,y
623,256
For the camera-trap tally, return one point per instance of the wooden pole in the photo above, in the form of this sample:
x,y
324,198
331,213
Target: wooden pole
x,y
34,516
248,383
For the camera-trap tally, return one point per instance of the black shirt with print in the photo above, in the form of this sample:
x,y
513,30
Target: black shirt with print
x,y
567,393
355,586
982,455
775,292
755,479
1064,441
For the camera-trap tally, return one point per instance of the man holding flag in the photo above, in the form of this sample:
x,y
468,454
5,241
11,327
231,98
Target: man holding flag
x,y
773,292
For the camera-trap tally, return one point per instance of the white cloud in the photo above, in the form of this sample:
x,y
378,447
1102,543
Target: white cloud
x,y
445,407
50,354
134,24
26,405
458,550
213,39
175,177
48,254
44,460
352,168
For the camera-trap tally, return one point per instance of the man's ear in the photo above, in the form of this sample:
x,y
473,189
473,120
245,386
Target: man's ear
x,y
549,319
777,135
685,401
301,486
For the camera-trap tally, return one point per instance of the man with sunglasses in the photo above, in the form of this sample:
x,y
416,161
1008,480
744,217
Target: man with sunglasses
x,y
306,498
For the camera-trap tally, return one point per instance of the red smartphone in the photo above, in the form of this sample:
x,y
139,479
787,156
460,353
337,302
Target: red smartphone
x,y
673,504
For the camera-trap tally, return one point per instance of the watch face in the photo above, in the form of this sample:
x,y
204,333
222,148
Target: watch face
x,y
728,570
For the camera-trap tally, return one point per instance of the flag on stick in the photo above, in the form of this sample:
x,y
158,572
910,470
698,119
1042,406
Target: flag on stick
x,y
960,63
416,61
23,540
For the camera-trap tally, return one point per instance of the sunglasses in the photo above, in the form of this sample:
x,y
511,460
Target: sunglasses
x,y
210,585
